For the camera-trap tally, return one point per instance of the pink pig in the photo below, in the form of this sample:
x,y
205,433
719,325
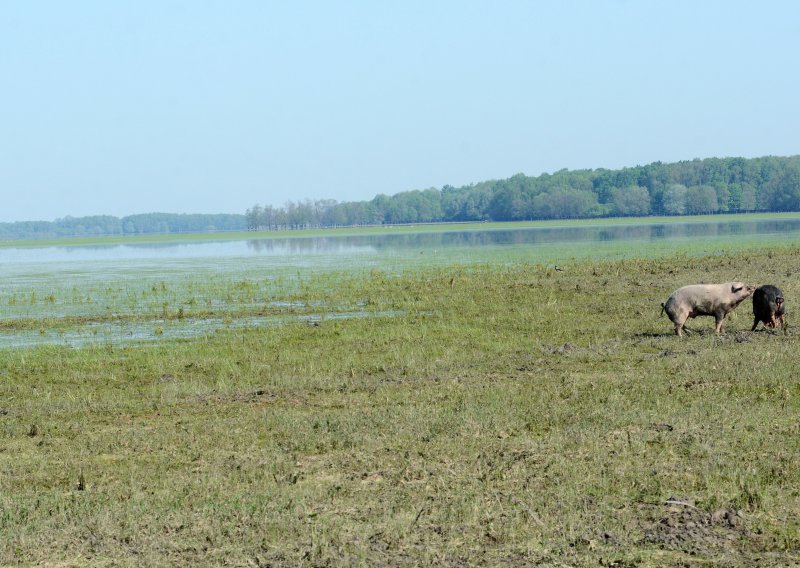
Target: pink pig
x,y
705,300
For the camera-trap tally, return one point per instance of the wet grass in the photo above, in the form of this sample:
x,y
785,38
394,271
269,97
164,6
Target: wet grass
x,y
505,413
99,286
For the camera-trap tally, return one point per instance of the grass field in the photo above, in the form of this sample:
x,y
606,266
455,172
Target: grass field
x,y
484,414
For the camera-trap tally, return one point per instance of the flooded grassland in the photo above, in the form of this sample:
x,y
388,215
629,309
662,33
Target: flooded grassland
x,y
76,294
473,399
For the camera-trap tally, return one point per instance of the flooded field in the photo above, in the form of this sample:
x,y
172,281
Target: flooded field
x,y
131,292
160,406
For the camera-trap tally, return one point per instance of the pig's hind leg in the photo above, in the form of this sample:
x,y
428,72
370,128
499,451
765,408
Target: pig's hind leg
x,y
678,318
680,325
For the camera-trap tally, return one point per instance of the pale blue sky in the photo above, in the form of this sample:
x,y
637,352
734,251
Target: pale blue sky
x,y
122,107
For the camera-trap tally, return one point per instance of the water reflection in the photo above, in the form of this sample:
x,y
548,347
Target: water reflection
x,y
309,245
522,236
294,248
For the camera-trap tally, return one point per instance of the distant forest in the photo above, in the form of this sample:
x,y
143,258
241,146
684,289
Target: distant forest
x,y
696,187
713,185
105,225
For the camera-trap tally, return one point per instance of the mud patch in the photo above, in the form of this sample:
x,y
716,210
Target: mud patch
x,y
258,396
565,349
737,337
677,524
671,353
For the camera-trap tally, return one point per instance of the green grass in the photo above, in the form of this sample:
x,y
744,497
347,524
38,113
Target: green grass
x,y
96,287
505,414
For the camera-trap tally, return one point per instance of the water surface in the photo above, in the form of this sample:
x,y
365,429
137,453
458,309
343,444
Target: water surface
x,y
221,277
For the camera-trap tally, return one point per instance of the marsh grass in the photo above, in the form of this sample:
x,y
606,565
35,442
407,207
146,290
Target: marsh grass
x,y
51,289
509,414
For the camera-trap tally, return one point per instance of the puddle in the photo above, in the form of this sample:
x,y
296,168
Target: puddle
x,y
119,333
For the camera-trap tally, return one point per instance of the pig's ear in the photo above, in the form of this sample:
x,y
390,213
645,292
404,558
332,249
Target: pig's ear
x,y
734,289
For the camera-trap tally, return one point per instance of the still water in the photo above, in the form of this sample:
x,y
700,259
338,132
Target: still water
x,y
400,249
109,282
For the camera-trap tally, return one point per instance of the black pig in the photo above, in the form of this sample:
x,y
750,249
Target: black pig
x,y
768,306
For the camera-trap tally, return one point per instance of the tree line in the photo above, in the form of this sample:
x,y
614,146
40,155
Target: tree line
x,y
107,225
695,187
712,185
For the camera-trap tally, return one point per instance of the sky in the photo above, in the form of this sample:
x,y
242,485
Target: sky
x,y
126,107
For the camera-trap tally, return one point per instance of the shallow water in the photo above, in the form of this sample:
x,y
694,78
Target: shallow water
x,y
332,252
117,333
232,276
